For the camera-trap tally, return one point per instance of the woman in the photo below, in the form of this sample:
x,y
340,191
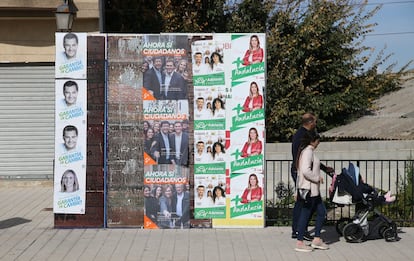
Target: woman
x,y
210,151
255,53
216,63
210,194
218,110
253,192
209,107
181,66
218,152
150,204
146,125
166,207
254,101
157,192
219,198
207,60
253,146
150,141
310,179
69,181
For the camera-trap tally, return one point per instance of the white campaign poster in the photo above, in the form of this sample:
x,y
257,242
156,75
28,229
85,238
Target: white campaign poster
x,y
70,55
211,92
70,124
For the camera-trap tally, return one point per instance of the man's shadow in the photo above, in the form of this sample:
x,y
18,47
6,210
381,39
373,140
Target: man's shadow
x,y
11,222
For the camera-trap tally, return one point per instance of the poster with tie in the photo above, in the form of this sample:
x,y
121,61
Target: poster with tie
x,y
166,131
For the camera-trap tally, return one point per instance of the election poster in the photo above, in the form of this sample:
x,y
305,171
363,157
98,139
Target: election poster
x,y
70,124
166,78
229,127
211,94
70,147
70,59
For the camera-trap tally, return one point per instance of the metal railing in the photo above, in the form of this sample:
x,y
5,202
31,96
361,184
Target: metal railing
x,y
394,175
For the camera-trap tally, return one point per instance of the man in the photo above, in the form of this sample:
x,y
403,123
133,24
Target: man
x,y
179,145
162,149
186,126
174,85
199,67
71,63
201,112
70,139
70,92
201,201
153,77
70,45
201,156
181,206
308,124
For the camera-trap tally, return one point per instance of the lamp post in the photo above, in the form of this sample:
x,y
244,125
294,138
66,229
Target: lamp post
x,y
65,14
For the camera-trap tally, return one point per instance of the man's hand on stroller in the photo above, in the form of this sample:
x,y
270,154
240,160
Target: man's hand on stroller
x,y
329,170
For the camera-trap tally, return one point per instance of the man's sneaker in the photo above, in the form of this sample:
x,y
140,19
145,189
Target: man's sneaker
x,y
307,236
303,248
320,245
294,235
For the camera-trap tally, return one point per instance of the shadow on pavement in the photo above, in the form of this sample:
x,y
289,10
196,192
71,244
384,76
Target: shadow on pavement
x,y
11,222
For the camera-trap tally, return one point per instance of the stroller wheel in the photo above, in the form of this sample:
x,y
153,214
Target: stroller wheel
x,y
353,233
381,230
340,224
390,234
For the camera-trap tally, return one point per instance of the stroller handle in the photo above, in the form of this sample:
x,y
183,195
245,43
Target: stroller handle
x,y
330,174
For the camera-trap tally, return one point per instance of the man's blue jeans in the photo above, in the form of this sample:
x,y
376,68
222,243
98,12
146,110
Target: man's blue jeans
x,y
297,207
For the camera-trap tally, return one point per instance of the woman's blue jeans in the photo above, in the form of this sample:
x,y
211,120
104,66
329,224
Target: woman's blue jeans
x,y
310,205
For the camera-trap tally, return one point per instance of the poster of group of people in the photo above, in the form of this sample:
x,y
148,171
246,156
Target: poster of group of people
x,y
211,93
229,80
166,131
204,90
70,128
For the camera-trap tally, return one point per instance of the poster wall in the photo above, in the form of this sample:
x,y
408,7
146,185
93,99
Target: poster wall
x,y
170,96
166,121
247,129
70,119
229,127
210,148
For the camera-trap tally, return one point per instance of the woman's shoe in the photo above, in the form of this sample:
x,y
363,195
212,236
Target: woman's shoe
x,y
319,244
303,248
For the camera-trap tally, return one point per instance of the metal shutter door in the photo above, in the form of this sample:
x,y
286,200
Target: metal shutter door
x,y
27,106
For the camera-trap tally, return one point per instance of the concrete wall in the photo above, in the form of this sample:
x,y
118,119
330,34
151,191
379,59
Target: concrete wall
x,y
27,28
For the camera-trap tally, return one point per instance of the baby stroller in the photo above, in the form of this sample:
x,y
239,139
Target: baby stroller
x,y
368,223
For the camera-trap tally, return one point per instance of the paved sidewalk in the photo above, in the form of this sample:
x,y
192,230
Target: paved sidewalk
x,y
27,233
